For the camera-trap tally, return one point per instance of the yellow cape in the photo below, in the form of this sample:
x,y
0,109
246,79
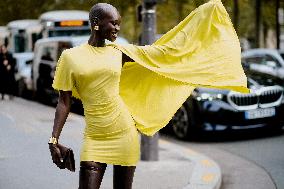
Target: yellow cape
x,y
201,51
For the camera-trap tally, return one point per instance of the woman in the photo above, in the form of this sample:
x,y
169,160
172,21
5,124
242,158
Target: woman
x,y
116,101
7,73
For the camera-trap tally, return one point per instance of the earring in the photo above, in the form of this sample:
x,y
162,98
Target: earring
x,y
96,27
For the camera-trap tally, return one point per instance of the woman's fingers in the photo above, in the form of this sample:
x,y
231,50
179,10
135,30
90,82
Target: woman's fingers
x,y
56,155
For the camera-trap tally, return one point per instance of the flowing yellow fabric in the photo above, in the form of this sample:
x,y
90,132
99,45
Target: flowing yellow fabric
x,y
201,51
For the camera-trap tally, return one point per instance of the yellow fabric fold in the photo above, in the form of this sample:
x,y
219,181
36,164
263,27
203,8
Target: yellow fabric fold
x,y
65,71
201,51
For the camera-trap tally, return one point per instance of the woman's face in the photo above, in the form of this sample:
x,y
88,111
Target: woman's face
x,y
109,26
3,49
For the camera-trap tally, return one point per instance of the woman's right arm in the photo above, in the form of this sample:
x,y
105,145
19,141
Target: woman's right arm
x,y
61,114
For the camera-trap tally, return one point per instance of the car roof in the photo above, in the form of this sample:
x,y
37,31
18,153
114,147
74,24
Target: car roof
x,y
61,15
22,24
254,52
250,52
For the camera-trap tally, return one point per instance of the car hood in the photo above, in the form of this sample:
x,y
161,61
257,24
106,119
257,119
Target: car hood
x,y
253,84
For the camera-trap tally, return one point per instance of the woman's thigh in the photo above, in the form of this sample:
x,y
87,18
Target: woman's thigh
x,y
123,176
91,174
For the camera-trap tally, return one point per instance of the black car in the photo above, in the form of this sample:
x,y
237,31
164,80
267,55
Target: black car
x,y
211,110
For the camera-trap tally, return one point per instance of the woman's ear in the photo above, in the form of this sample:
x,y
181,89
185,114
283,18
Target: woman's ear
x,y
95,24
96,21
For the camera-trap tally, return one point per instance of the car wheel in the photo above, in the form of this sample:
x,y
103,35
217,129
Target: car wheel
x,y
181,123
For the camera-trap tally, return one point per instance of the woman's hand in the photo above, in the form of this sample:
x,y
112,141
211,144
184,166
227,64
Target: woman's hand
x,y
56,155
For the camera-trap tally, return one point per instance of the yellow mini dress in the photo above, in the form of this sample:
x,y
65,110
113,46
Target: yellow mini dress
x,y
202,51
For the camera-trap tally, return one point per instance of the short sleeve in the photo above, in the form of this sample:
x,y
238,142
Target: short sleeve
x,y
64,78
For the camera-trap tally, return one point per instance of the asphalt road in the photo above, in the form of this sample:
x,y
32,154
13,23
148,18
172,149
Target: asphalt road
x,y
264,153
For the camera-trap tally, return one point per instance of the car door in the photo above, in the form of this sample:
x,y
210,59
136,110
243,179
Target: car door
x,y
60,47
46,64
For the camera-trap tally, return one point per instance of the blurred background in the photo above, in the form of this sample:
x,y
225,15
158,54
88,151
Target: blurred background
x,y
243,133
255,20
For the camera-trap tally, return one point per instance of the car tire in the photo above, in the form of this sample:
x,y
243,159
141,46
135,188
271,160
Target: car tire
x,y
182,122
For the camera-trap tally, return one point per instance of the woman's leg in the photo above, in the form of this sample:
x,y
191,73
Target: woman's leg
x,y
123,176
91,174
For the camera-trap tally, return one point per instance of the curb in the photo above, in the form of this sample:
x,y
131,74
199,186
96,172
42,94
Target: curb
x,y
206,172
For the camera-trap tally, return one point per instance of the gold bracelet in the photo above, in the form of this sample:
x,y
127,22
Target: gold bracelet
x,y
53,140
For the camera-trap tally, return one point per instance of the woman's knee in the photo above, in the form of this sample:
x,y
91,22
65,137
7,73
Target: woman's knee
x,y
91,165
91,174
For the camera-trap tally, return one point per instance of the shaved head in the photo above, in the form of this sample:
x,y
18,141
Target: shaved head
x,y
99,10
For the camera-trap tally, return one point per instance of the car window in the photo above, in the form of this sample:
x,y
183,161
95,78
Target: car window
x,y
254,60
62,45
271,61
48,53
266,60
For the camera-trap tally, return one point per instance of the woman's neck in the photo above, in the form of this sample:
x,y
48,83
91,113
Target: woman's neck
x,y
95,41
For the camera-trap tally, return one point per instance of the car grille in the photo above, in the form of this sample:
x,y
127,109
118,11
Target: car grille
x,y
264,97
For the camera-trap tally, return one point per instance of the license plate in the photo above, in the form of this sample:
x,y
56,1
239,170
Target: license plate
x,y
260,113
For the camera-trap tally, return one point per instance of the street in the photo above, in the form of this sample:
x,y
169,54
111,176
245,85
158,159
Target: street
x,y
264,154
25,161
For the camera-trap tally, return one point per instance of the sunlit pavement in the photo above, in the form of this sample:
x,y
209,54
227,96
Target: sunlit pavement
x,y
246,163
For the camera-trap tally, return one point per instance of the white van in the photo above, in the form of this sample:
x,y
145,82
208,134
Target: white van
x,y
23,35
65,23
46,54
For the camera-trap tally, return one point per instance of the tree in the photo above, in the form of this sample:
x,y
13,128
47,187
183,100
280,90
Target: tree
x,y
236,15
169,13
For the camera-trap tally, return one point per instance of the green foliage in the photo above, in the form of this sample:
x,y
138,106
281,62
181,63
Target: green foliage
x,y
169,13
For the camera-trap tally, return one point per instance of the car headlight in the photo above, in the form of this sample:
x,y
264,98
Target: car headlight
x,y
207,96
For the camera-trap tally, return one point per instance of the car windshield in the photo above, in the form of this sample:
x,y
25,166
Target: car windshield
x,y
20,43
56,33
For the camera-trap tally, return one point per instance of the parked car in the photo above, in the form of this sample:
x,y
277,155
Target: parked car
x,y
47,52
23,74
266,63
212,110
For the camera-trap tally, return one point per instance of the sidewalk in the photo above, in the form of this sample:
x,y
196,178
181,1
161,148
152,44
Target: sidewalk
x,y
177,168
26,163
